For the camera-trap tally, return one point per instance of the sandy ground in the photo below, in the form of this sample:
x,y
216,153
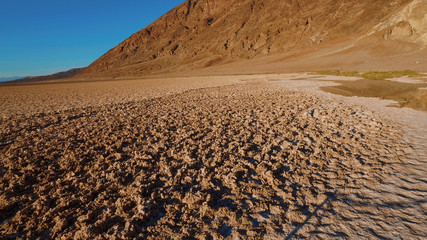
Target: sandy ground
x,y
246,157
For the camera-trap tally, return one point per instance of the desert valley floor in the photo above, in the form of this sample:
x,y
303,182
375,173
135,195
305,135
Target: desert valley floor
x,y
225,157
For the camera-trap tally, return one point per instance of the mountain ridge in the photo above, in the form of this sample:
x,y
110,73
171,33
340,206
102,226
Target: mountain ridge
x,y
55,76
200,34
206,37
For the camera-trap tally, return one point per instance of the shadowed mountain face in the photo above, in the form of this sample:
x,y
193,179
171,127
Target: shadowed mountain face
x,y
203,33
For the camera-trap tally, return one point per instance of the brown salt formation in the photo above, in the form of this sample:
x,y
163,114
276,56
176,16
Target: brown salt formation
x,y
247,161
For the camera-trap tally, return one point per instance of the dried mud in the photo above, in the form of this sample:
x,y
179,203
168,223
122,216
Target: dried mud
x,y
243,161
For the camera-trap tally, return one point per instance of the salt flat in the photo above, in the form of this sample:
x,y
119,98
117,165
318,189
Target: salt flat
x,y
259,156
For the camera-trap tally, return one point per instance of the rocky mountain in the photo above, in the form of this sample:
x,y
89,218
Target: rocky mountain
x,y
203,34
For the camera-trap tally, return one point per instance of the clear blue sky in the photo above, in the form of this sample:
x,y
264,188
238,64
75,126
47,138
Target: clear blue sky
x,y
39,37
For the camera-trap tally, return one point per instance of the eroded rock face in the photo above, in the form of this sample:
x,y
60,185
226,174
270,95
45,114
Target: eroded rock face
x,y
202,33
242,161
410,24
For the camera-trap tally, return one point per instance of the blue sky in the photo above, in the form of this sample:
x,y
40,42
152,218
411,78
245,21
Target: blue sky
x,y
39,37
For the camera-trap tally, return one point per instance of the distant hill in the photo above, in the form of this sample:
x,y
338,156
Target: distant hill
x,y
4,79
274,35
60,75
